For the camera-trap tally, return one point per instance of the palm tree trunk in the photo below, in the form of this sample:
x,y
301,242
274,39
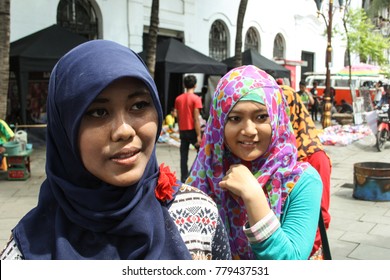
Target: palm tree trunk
x,y
240,21
4,55
152,38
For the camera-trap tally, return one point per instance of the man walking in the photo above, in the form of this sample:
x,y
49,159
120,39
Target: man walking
x,y
188,106
315,105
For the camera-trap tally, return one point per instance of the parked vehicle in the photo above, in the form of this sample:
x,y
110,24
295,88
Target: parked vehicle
x,y
383,134
341,85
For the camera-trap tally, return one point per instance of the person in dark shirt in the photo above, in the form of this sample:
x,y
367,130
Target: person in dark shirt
x,y
346,107
315,104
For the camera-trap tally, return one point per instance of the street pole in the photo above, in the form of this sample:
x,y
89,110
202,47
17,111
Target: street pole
x,y
326,115
326,112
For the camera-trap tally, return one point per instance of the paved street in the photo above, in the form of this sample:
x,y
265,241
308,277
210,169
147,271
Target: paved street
x,y
359,230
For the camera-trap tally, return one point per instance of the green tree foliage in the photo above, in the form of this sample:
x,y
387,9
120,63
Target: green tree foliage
x,y
363,39
377,5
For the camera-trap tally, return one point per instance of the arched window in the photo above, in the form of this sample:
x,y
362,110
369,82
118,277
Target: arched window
x,y
279,47
218,41
79,17
252,40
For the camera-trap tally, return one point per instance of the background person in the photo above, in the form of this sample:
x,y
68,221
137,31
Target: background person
x,y
188,106
170,120
379,91
345,107
305,95
247,163
316,102
311,150
385,99
105,196
6,135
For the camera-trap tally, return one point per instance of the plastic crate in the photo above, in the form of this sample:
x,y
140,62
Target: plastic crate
x,y
18,174
15,160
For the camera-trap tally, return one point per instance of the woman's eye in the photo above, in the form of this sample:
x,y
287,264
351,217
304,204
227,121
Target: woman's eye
x,y
233,119
97,113
140,105
263,117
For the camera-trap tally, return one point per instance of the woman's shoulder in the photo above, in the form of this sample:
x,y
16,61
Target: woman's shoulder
x,y
11,251
194,203
189,193
196,217
310,174
309,180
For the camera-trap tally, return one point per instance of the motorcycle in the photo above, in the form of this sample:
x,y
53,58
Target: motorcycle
x,y
383,133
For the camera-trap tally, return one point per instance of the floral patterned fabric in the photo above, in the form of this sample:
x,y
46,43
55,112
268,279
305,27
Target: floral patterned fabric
x,y
304,128
277,170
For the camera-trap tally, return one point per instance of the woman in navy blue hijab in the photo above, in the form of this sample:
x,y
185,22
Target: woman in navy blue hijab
x,y
105,196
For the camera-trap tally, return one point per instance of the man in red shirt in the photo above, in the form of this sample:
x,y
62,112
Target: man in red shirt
x,y
188,106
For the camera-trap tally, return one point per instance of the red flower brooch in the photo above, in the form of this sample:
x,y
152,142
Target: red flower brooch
x,y
165,184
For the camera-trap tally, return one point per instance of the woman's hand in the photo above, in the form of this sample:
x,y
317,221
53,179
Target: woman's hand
x,y
240,181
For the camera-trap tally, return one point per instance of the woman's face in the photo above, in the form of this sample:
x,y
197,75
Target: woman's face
x,y
248,130
118,132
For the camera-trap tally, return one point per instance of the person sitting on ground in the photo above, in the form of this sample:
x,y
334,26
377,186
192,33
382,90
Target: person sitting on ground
x,y
105,196
170,120
345,107
6,135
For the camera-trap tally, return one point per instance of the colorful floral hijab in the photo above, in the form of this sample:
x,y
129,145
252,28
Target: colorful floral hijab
x,y
304,128
277,170
79,216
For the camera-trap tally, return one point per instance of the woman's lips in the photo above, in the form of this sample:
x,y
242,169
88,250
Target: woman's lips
x,y
125,157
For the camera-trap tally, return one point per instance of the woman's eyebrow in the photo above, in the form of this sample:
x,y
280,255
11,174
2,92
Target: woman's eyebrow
x,y
259,110
100,100
137,93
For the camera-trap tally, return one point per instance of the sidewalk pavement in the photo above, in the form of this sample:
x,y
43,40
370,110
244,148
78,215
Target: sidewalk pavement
x,y
359,230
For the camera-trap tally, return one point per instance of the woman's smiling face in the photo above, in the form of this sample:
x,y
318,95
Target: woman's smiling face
x,y
248,130
118,132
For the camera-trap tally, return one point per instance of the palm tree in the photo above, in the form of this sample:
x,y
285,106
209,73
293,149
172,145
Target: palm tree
x,y
4,55
240,21
152,38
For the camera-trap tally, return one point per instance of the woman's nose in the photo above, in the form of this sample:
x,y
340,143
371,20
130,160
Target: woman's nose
x,y
249,129
122,129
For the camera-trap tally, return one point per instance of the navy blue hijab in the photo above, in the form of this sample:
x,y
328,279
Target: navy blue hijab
x,y
78,216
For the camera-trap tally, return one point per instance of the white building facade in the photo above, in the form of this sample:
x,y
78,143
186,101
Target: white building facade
x,y
294,24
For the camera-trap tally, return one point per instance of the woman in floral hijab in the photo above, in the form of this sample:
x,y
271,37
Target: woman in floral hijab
x,y
247,163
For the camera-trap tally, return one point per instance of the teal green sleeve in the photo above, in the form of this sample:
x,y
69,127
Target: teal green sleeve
x,y
295,238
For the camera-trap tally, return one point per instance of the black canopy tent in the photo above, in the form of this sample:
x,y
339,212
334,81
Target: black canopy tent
x,y
173,59
252,57
39,52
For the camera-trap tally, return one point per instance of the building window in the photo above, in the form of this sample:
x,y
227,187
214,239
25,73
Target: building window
x,y
279,47
218,41
79,17
252,40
